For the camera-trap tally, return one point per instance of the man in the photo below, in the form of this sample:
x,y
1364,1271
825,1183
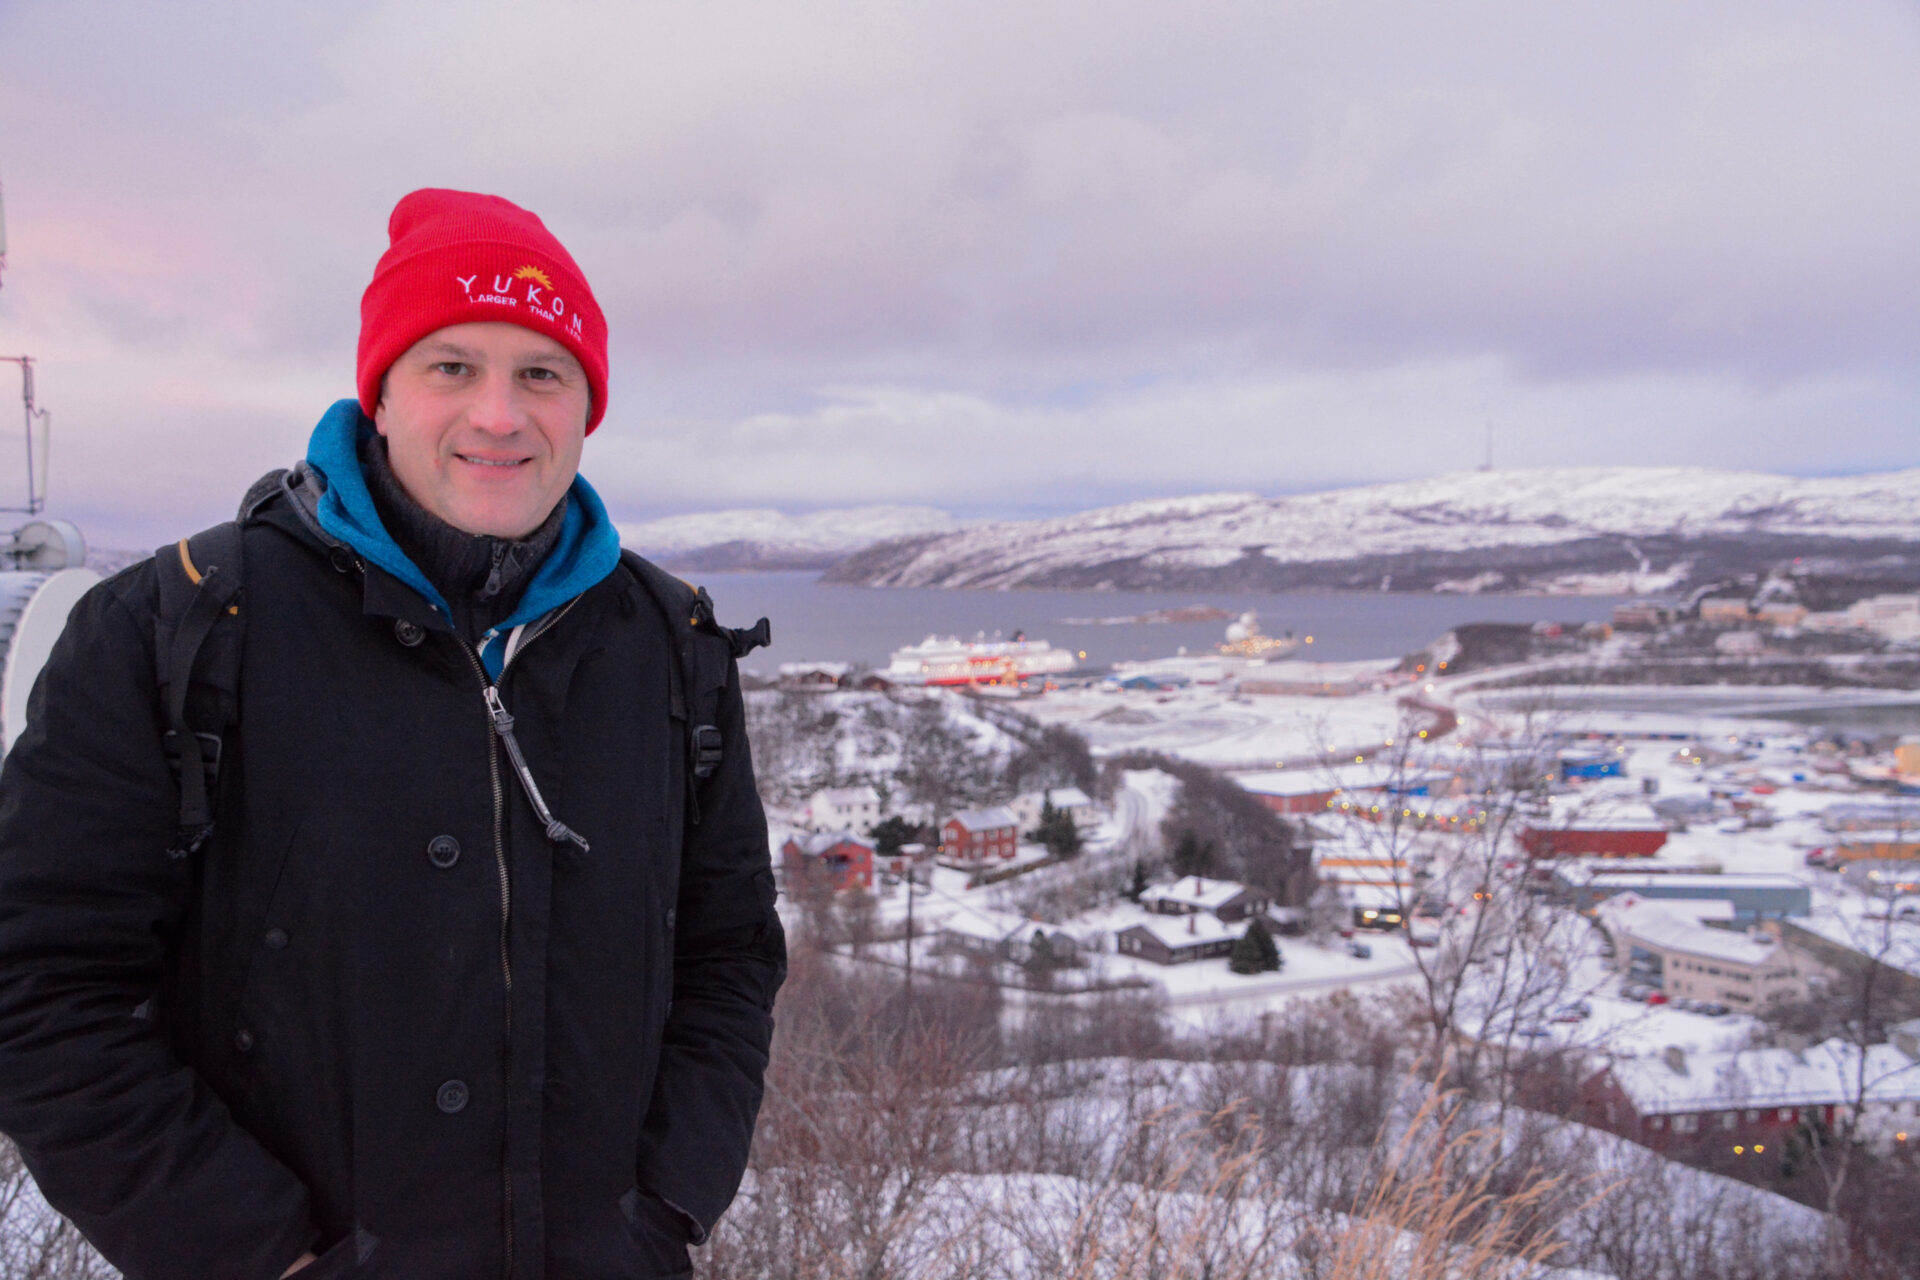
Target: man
x,y
473,974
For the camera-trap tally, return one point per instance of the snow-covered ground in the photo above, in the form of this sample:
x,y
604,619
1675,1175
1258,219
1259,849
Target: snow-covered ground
x,y
1699,743
1211,725
1191,1199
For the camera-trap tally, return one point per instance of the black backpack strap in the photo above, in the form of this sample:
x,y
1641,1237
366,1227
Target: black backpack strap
x,y
197,640
741,641
703,653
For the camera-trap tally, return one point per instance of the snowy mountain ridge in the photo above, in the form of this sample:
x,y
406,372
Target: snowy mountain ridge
x,y
1512,525
762,537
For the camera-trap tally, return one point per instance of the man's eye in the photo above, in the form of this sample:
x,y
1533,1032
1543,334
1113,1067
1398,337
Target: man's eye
x,y
537,374
452,368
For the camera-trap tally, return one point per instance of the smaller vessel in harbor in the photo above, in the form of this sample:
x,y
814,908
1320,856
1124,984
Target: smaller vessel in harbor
x,y
1246,640
952,661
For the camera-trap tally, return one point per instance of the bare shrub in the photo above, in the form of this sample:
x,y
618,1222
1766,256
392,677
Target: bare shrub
x,y
1435,1210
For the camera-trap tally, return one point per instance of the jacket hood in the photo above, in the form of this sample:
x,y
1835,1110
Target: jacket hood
x,y
587,551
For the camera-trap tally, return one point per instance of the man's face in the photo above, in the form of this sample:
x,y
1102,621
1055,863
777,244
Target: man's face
x,y
484,424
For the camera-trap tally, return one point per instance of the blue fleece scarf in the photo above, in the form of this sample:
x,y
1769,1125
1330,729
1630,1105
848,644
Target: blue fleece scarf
x,y
587,550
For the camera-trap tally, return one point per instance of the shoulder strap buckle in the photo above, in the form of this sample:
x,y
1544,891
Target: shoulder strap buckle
x,y
702,670
197,656
705,749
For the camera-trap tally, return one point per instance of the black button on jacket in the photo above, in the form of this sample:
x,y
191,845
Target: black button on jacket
x,y
507,1063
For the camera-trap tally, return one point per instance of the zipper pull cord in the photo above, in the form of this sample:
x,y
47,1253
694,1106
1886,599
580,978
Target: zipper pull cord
x,y
557,831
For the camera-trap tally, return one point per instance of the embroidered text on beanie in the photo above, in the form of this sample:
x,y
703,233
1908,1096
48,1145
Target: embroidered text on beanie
x,y
457,258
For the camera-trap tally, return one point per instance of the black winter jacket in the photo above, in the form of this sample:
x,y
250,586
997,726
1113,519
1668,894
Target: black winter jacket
x,y
379,1014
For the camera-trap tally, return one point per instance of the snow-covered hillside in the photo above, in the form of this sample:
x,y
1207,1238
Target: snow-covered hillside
x,y
1608,529
760,537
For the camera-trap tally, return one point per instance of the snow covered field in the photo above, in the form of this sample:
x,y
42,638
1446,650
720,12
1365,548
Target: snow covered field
x,y
1210,725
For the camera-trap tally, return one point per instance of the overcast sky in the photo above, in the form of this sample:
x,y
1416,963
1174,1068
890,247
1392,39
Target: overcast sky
x,y
995,257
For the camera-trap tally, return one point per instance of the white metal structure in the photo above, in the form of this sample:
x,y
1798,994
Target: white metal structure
x,y
33,613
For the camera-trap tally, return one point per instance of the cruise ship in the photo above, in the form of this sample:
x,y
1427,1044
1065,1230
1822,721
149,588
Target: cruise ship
x,y
952,661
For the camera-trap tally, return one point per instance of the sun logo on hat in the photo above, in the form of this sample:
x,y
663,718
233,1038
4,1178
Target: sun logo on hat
x,y
533,273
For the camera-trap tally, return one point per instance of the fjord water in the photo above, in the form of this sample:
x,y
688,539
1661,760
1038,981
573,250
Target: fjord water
x,y
815,622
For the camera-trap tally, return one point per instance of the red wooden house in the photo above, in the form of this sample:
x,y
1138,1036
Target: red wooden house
x,y
839,854
975,835
1751,1100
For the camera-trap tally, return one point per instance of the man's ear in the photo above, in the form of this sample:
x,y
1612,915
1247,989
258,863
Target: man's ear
x,y
380,408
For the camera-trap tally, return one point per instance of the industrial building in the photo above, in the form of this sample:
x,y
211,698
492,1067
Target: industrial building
x,y
1753,897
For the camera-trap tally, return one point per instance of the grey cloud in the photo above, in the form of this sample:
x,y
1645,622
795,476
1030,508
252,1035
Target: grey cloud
x,y
999,252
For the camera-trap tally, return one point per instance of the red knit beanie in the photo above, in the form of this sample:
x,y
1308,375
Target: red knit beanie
x,y
458,258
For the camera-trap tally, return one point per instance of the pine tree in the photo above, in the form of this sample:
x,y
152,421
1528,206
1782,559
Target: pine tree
x,y
890,833
1139,885
1057,832
1245,956
1262,939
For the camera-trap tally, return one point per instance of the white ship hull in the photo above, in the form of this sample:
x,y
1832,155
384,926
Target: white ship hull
x,y
954,662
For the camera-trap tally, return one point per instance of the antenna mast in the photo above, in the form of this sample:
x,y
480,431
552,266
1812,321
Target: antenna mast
x,y
36,483
1488,464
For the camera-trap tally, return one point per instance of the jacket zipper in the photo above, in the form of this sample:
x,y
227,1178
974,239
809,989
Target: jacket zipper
x,y
500,726
506,954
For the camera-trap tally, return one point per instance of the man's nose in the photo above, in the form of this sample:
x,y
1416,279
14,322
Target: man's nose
x,y
495,404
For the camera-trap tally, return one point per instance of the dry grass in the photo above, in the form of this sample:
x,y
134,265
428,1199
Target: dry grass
x,y
1436,1211
1185,1196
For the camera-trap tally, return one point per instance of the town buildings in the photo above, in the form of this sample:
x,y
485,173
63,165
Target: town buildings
x,y
1072,801
1892,617
987,934
1676,946
1642,615
841,855
812,677
1177,940
1226,900
1750,1100
1724,611
1618,838
1292,790
977,835
1758,896
833,808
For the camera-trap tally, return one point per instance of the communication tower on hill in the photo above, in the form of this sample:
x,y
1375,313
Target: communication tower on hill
x,y
41,565
36,472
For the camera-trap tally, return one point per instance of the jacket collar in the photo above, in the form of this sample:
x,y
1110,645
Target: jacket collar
x,y
587,551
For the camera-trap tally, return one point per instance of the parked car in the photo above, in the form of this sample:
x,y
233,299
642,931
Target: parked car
x,y
1572,1011
1714,1009
1532,1031
1360,951
1657,997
